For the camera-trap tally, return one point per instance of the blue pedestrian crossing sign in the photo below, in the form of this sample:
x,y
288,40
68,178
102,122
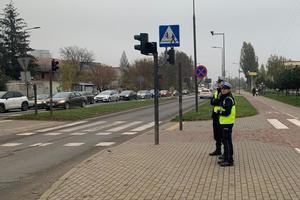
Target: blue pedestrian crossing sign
x,y
169,36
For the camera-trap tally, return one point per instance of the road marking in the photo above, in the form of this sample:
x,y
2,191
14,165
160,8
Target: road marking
x,y
11,144
59,127
40,144
103,133
104,144
83,126
129,133
294,121
52,134
26,134
144,127
73,144
105,126
298,150
124,126
277,124
77,133
4,121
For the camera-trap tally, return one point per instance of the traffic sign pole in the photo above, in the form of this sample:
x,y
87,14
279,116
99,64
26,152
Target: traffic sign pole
x,y
156,103
180,95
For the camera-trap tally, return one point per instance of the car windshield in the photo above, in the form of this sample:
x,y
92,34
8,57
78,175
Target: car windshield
x,y
205,91
105,93
61,95
1,94
126,92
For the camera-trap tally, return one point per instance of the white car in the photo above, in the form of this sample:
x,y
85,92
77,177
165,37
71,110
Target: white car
x,y
107,96
12,100
205,93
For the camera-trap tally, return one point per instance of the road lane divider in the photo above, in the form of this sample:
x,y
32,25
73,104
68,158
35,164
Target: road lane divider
x,y
74,144
41,144
103,133
277,124
10,144
105,144
26,134
129,133
53,134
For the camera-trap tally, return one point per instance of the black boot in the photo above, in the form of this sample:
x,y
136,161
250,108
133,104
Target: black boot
x,y
215,153
226,164
221,157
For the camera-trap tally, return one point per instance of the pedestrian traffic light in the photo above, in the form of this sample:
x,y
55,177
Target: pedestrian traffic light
x,y
54,65
143,38
171,56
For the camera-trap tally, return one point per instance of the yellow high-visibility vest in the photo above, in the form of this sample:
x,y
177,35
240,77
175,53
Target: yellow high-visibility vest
x,y
231,118
216,96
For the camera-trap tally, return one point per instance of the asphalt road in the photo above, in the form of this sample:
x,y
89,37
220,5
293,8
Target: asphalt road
x,y
32,161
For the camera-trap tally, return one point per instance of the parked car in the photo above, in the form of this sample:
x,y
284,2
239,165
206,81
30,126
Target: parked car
x,y
175,93
205,93
107,96
185,92
66,100
13,100
89,96
128,95
41,100
144,94
165,93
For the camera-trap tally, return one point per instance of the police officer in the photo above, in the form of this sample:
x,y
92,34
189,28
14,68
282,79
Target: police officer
x,y
226,118
215,102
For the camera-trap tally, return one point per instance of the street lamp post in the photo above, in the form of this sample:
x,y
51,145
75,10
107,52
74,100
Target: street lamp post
x,y
195,57
223,57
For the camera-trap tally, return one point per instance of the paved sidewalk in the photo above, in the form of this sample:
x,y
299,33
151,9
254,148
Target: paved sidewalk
x,y
266,166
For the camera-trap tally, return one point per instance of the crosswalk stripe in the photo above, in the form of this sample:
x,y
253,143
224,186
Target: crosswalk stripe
x,y
11,144
298,150
277,124
144,127
59,127
83,126
294,121
4,121
74,144
124,126
78,133
105,126
129,133
41,144
52,134
26,134
104,144
103,133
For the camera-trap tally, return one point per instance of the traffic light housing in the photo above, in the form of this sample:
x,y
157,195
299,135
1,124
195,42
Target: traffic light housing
x,y
143,38
54,65
171,56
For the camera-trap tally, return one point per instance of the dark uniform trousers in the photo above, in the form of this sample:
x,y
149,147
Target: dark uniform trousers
x,y
227,142
217,133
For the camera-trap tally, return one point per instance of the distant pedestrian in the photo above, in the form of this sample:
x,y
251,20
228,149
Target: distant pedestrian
x,y
227,118
253,91
215,102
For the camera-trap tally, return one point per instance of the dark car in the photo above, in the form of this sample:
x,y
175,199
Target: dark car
x,y
41,100
67,100
144,94
89,96
128,95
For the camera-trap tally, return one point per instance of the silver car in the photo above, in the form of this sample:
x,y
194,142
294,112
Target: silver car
x,y
107,96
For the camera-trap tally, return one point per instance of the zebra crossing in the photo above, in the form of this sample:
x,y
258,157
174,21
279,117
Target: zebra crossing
x,y
82,128
284,124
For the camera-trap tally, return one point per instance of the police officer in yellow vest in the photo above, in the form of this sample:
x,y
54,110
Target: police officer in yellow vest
x,y
215,102
227,114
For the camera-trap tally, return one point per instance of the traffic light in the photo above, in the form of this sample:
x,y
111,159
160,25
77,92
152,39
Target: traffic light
x,y
54,65
143,38
171,56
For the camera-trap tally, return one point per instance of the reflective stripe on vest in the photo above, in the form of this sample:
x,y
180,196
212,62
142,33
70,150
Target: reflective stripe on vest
x,y
216,96
231,118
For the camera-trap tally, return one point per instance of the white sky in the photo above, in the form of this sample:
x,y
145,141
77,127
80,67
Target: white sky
x,y
106,27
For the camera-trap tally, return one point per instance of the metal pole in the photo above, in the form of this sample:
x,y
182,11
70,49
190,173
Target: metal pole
x,y
26,81
180,95
156,87
51,95
195,57
223,60
35,99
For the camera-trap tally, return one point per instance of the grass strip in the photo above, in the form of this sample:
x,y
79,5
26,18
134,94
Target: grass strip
x,y
290,99
243,109
88,112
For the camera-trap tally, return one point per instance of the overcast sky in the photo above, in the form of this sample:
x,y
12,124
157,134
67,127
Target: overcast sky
x,y
106,27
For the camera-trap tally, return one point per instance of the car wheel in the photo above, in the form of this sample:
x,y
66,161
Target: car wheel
x,y
24,106
83,104
2,108
93,101
67,106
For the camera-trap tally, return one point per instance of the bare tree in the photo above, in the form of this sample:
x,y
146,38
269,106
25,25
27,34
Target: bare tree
x,y
101,76
76,55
